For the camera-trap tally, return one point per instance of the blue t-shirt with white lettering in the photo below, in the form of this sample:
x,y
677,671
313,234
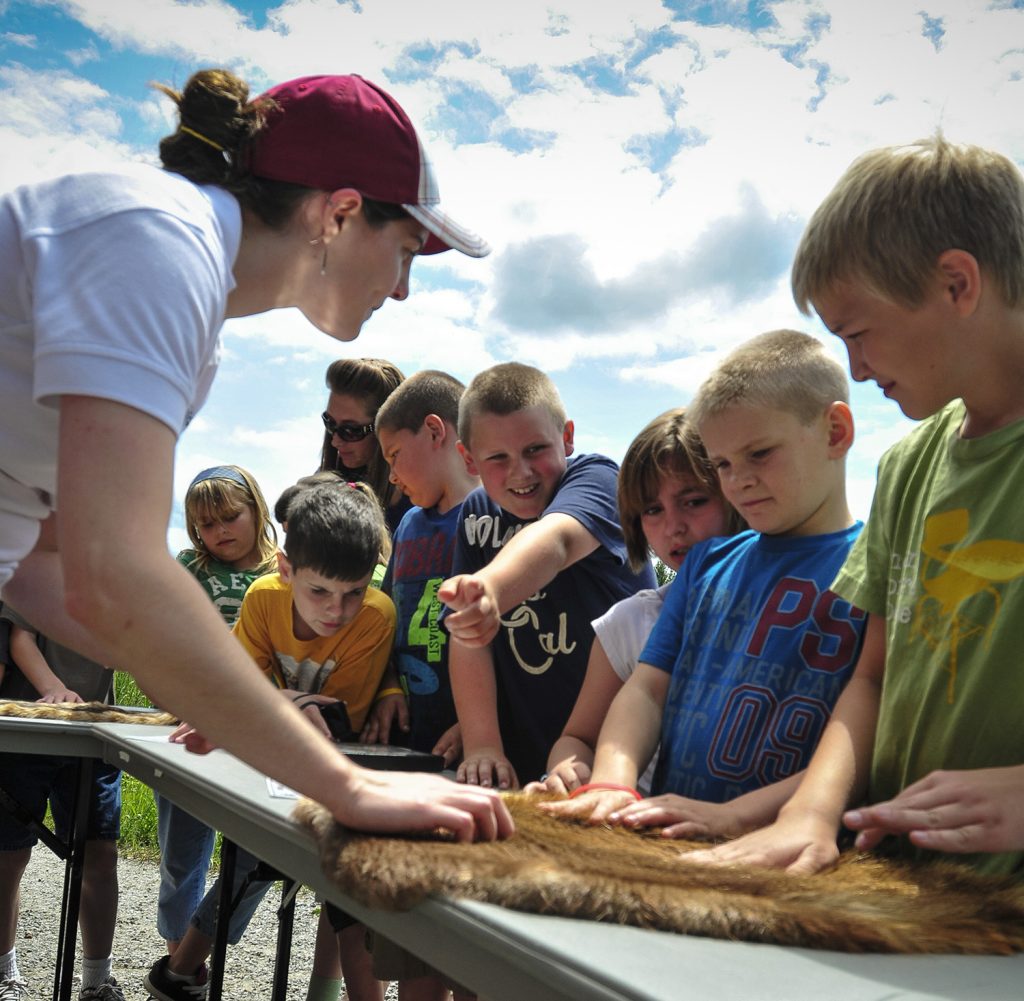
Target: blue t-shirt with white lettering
x,y
759,649
542,647
421,560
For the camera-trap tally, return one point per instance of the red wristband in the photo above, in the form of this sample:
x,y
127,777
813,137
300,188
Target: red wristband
x,y
611,786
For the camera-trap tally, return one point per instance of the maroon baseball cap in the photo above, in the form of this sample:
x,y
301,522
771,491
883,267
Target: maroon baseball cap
x,y
333,132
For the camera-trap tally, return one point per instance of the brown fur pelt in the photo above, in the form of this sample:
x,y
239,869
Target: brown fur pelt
x,y
864,904
85,712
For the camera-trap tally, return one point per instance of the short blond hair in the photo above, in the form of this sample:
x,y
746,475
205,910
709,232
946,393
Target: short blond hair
x,y
896,210
503,390
783,369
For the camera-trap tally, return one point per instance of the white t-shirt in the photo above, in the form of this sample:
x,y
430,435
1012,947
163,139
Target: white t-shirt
x,y
623,632
112,285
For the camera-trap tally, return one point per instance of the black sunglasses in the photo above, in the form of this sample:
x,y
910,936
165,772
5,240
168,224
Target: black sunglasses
x,y
346,432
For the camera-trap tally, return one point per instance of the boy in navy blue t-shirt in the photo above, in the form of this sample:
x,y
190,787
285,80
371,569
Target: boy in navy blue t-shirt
x,y
539,556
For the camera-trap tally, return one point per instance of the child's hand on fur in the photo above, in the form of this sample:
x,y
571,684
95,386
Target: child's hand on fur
x,y
60,695
963,811
475,617
680,817
593,807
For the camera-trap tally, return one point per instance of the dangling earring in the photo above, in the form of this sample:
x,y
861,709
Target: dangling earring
x,y
323,262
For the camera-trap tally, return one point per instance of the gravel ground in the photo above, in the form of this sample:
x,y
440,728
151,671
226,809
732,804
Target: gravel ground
x,y
250,964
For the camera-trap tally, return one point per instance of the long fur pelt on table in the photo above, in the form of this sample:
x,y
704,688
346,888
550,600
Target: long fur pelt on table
x,y
85,712
864,904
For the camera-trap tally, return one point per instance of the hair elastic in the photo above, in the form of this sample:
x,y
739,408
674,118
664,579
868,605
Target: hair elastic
x,y
200,137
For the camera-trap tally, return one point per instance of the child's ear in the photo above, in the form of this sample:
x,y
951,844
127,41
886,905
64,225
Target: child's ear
x,y
839,419
436,428
284,568
468,459
961,280
567,437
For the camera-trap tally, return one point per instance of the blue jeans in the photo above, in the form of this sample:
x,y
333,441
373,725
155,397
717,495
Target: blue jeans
x,y
206,913
186,845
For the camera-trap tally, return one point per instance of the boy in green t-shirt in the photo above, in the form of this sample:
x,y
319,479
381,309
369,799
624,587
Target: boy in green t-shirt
x,y
916,261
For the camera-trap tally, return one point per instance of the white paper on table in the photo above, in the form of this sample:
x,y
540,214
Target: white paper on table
x,y
277,790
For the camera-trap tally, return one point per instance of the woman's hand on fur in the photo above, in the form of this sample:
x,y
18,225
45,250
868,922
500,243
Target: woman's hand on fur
x,y
475,617
449,745
383,715
487,766
412,801
60,695
956,811
562,779
594,807
680,817
801,844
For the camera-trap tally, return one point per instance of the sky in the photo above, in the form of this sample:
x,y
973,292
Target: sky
x,y
642,169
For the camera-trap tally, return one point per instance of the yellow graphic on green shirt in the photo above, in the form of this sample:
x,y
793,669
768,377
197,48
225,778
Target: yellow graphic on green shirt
x,y
963,572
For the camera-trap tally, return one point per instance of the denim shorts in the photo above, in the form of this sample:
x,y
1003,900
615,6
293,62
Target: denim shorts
x,y
35,779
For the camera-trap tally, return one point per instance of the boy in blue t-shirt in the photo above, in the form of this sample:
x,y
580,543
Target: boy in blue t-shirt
x,y
417,431
752,649
539,556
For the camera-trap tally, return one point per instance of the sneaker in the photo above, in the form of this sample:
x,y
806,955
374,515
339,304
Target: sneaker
x,y
160,984
109,990
12,989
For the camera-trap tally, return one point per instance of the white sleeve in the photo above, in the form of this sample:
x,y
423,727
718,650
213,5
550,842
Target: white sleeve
x,y
624,628
128,308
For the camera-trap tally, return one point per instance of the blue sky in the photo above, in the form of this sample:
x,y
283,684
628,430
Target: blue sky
x,y
642,169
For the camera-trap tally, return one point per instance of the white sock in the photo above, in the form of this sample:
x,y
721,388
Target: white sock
x,y
9,965
96,971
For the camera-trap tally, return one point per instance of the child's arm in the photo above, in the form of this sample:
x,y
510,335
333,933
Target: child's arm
x,y
26,654
571,760
981,810
389,706
474,689
803,838
521,567
627,743
693,818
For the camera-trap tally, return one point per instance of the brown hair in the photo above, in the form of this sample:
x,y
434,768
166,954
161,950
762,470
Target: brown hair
x,y
372,381
503,390
668,446
897,209
423,393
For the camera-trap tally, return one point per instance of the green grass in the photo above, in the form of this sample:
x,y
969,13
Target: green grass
x,y
138,809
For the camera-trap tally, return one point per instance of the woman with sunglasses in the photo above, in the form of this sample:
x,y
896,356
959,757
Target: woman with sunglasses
x,y
113,289
359,386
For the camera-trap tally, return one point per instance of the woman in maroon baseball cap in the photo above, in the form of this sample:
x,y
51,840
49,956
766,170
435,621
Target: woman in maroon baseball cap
x,y
113,289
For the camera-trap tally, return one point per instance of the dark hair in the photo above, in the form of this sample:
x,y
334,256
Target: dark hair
x,y
328,476
371,380
335,531
217,126
426,392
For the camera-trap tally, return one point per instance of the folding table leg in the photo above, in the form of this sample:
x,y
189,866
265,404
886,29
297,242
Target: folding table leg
x,y
285,922
220,933
71,899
